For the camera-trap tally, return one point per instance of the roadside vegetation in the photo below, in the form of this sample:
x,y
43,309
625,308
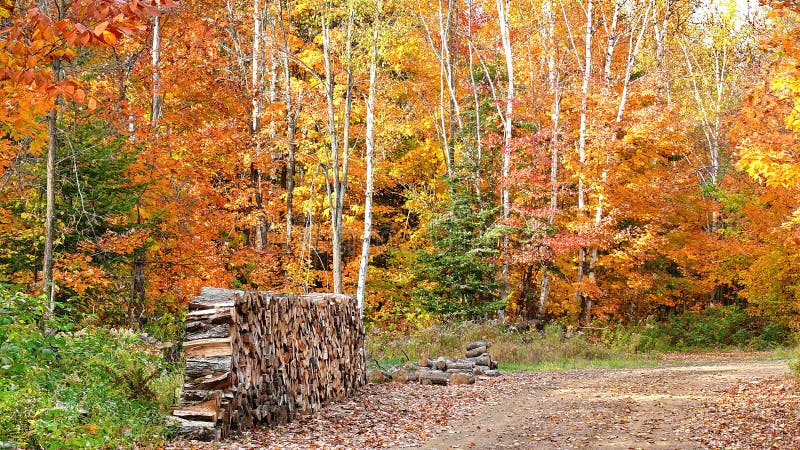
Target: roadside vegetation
x,y
559,346
583,183
68,384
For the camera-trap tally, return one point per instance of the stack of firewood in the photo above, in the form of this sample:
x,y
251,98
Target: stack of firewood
x,y
444,371
261,357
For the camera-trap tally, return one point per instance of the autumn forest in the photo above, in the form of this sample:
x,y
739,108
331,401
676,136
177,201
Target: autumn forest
x,y
568,160
586,163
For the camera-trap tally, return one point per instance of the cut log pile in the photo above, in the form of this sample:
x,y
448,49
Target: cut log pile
x,y
262,357
443,371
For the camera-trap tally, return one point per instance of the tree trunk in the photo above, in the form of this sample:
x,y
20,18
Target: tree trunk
x,y
554,79
449,120
503,7
138,280
155,53
587,70
256,84
478,143
370,142
611,44
291,127
254,71
48,284
633,50
339,189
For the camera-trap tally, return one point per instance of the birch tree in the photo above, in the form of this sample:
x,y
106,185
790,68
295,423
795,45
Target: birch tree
x,y
449,110
48,284
503,7
337,171
369,157
553,77
580,298
292,110
636,31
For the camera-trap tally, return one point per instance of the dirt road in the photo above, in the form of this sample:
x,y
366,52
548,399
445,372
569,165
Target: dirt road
x,y
652,408
694,402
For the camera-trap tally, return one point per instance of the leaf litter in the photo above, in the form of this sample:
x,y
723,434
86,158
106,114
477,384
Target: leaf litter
x,y
731,404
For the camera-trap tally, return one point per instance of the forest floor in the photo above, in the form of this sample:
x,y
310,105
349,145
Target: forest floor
x,y
691,401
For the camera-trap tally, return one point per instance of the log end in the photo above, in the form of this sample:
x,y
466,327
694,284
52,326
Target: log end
x,y
193,429
462,378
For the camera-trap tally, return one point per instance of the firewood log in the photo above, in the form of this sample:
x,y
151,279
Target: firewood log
x,y
462,378
479,360
408,365
424,360
377,376
460,365
433,377
476,344
440,363
189,429
477,351
400,376
261,358
483,360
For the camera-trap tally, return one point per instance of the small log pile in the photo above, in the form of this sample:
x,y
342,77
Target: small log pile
x,y
443,371
262,357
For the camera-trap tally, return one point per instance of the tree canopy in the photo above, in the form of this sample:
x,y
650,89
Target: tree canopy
x,y
573,160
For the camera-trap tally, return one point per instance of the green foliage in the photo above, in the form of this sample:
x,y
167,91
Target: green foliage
x,y
794,366
457,274
95,192
718,327
90,388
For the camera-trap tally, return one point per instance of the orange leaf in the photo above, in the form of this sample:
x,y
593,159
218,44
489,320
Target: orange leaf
x,y
80,96
109,38
100,28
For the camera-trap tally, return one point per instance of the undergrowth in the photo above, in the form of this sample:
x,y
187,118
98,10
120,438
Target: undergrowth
x,y
62,387
601,345
554,347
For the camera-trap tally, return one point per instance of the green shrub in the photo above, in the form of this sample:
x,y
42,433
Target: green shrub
x,y
90,388
716,328
794,366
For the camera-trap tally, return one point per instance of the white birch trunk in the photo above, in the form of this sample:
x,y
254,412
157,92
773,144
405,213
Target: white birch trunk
x,y
587,69
555,90
155,56
478,143
254,71
370,156
503,7
634,43
333,201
